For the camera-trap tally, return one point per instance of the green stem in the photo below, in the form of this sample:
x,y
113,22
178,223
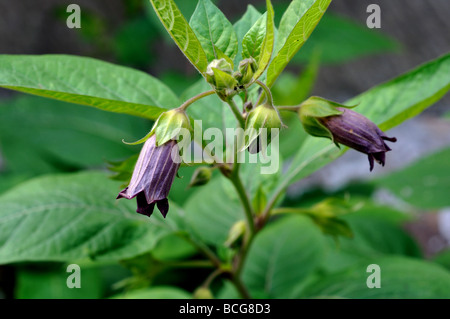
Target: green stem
x,y
206,251
186,104
235,179
190,264
236,112
267,91
241,288
293,108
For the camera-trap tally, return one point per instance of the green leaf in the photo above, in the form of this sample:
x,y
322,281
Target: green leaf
x,y
87,81
296,26
258,42
180,31
158,292
282,255
268,44
424,184
401,277
242,26
254,38
75,216
55,136
210,215
213,30
387,105
340,39
37,282
375,234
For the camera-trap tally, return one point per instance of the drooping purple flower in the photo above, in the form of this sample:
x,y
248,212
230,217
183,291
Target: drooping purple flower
x,y
356,131
153,176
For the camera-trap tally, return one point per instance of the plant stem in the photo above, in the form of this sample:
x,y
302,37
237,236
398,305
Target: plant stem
x,y
205,250
267,91
241,288
212,276
235,179
186,104
236,112
293,108
190,264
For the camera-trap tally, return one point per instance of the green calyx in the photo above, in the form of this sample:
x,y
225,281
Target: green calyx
x,y
315,108
246,71
264,116
201,176
219,75
169,125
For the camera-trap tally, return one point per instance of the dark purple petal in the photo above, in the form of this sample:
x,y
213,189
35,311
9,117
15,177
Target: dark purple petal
x,y
163,206
143,207
356,131
153,176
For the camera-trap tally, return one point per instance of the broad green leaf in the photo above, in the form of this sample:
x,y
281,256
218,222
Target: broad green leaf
x,y
387,105
210,214
180,31
258,42
401,277
213,30
424,184
340,39
374,236
282,255
268,43
39,282
296,26
87,81
157,292
37,132
76,216
242,26
254,38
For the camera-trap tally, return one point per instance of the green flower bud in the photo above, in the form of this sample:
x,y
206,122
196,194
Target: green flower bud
x,y
201,176
203,293
219,64
312,110
237,231
262,117
246,70
219,75
169,124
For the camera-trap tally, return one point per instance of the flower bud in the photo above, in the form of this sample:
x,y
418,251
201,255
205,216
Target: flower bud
x,y
324,118
201,176
203,293
262,117
219,75
246,70
169,124
236,232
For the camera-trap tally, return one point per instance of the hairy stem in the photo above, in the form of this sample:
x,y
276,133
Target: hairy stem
x,y
236,112
267,92
186,104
